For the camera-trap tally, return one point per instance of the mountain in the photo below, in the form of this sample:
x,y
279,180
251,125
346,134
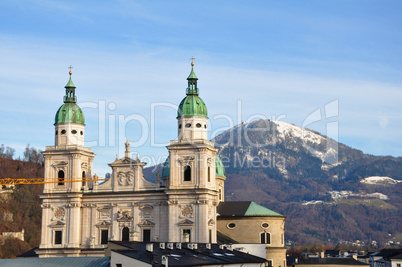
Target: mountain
x,y
325,188
329,192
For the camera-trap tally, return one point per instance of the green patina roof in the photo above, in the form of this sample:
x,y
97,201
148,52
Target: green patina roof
x,y
244,209
192,104
257,210
192,75
70,84
166,168
220,170
69,112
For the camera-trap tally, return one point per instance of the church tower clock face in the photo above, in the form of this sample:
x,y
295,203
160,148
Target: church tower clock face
x,y
187,211
59,213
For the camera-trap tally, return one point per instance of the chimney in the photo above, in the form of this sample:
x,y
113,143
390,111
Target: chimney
x,y
322,255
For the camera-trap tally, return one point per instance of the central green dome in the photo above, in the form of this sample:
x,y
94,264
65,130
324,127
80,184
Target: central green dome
x,y
192,104
69,112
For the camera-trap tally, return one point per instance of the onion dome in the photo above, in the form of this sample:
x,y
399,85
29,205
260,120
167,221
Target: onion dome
x,y
69,112
192,104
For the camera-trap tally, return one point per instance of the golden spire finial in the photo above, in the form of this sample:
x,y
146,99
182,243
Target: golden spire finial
x,y
70,70
192,61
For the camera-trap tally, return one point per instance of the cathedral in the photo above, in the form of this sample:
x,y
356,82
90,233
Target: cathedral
x,y
80,216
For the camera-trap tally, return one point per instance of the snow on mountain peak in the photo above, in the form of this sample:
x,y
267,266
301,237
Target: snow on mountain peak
x,y
379,180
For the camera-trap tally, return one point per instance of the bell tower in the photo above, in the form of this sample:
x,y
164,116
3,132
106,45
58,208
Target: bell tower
x,y
190,180
67,161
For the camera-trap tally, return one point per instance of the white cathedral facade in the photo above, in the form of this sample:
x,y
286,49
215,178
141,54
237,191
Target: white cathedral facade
x,y
80,217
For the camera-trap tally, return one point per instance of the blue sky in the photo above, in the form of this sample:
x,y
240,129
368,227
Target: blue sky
x,y
278,59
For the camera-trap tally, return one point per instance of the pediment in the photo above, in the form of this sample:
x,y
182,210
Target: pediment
x,y
146,223
186,222
103,224
57,224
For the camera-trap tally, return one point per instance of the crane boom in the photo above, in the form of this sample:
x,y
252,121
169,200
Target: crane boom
x,y
18,181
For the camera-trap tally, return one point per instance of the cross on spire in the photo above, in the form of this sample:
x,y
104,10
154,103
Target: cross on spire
x,y
192,61
70,70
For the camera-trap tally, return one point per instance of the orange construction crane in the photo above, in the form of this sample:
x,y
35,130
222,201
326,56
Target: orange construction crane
x,y
17,181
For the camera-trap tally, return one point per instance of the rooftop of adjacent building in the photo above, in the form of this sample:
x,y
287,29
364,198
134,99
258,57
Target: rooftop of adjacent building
x,y
184,254
244,209
331,261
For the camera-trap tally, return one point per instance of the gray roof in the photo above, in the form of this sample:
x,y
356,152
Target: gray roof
x,y
332,261
58,262
185,256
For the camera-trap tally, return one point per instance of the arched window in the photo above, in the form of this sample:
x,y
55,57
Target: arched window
x,y
83,178
125,234
209,174
265,238
187,174
60,177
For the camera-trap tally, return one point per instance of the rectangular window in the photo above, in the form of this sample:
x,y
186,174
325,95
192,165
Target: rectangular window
x,y
146,235
269,263
104,236
58,237
265,238
210,236
119,265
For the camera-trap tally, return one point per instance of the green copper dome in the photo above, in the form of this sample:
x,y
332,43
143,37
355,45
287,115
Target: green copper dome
x,y
192,104
220,170
69,112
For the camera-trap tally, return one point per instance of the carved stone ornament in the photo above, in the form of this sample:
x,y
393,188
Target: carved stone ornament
x,y
104,214
186,222
73,205
211,222
124,216
103,224
45,206
209,161
57,224
146,223
84,166
172,202
187,160
146,211
125,178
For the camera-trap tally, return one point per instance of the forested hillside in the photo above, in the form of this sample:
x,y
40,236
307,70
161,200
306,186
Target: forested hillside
x,y
20,205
